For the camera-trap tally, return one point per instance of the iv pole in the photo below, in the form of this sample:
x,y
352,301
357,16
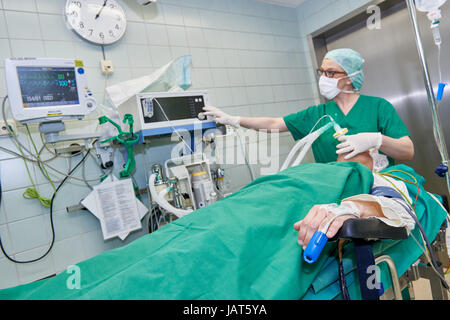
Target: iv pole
x,y
429,88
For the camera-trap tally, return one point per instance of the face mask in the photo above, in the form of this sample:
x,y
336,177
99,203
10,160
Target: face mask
x,y
329,86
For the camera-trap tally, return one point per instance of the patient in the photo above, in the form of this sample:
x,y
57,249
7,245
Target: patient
x,y
386,209
244,246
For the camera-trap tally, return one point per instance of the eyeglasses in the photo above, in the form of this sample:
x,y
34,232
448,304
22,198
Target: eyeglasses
x,y
329,73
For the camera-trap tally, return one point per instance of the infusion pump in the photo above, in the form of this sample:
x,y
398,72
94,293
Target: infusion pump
x,y
163,113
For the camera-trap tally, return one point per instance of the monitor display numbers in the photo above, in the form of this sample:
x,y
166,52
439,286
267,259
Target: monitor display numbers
x,y
46,86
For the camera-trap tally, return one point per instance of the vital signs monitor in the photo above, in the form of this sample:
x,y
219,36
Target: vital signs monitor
x,y
43,90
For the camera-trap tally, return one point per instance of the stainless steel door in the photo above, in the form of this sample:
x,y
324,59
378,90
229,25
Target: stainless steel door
x,y
393,72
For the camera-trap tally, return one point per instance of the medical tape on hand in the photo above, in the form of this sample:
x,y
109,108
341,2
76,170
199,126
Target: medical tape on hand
x,y
346,208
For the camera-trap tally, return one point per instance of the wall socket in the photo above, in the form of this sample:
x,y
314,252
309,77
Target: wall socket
x,y
4,131
106,66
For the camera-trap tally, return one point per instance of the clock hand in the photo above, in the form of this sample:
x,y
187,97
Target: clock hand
x,y
98,14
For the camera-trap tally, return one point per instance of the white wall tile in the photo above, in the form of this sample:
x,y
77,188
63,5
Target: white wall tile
x,y
3,93
50,6
177,36
236,77
136,33
180,51
9,276
195,37
200,58
191,17
3,27
232,58
60,49
117,54
173,15
139,56
29,272
157,34
23,25
5,51
68,252
22,5
27,48
30,233
220,77
90,54
160,55
213,38
202,78
14,174
53,27
216,58
6,240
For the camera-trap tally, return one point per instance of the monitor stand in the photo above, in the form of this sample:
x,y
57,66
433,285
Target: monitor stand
x,y
52,129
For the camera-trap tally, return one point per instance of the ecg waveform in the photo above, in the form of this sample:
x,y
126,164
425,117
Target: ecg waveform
x,y
41,86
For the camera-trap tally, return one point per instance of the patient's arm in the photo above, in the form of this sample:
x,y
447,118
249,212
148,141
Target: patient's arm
x,y
318,217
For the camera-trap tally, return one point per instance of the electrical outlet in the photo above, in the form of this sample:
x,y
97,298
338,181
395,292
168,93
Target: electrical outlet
x,y
4,131
106,66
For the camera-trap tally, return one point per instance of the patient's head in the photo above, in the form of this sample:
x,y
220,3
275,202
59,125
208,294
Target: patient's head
x,y
364,158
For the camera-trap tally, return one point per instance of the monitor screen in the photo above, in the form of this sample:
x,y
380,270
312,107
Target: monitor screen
x,y
175,108
48,86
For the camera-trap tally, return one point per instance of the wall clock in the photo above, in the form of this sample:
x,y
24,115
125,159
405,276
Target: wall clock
x,y
101,22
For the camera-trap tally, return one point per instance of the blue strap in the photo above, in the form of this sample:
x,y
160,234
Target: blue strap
x,y
365,260
388,192
364,255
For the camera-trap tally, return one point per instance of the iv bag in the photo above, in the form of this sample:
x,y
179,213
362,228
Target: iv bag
x,y
429,5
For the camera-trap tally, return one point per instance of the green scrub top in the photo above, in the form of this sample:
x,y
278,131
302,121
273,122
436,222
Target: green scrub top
x,y
369,114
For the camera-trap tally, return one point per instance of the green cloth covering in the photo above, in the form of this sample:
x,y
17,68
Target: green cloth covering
x,y
369,114
404,253
242,247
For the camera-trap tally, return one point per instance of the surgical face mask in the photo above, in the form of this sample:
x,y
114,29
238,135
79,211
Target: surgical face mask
x,y
329,86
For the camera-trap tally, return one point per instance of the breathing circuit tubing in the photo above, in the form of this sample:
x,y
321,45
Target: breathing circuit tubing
x,y
306,143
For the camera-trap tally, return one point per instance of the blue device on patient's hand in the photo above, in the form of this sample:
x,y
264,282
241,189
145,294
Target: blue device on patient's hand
x,y
315,247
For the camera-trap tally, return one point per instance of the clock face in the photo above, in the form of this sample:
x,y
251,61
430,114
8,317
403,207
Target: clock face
x,y
99,21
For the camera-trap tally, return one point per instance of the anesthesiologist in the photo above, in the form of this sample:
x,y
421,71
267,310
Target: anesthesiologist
x,y
372,122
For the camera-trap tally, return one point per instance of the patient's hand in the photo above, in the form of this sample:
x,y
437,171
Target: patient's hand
x,y
316,219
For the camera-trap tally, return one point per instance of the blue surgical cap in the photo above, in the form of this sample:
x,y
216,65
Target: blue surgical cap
x,y
351,61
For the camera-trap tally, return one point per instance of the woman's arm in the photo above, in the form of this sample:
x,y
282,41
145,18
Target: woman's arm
x,y
269,124
399,149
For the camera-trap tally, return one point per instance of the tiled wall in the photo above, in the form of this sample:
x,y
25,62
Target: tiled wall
x,y
314,15
248,54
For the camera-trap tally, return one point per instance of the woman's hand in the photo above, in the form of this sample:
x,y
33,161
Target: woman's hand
x,y
221,117
315,220
358,143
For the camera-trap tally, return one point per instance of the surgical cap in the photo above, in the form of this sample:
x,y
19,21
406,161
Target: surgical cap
x,y
351,61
